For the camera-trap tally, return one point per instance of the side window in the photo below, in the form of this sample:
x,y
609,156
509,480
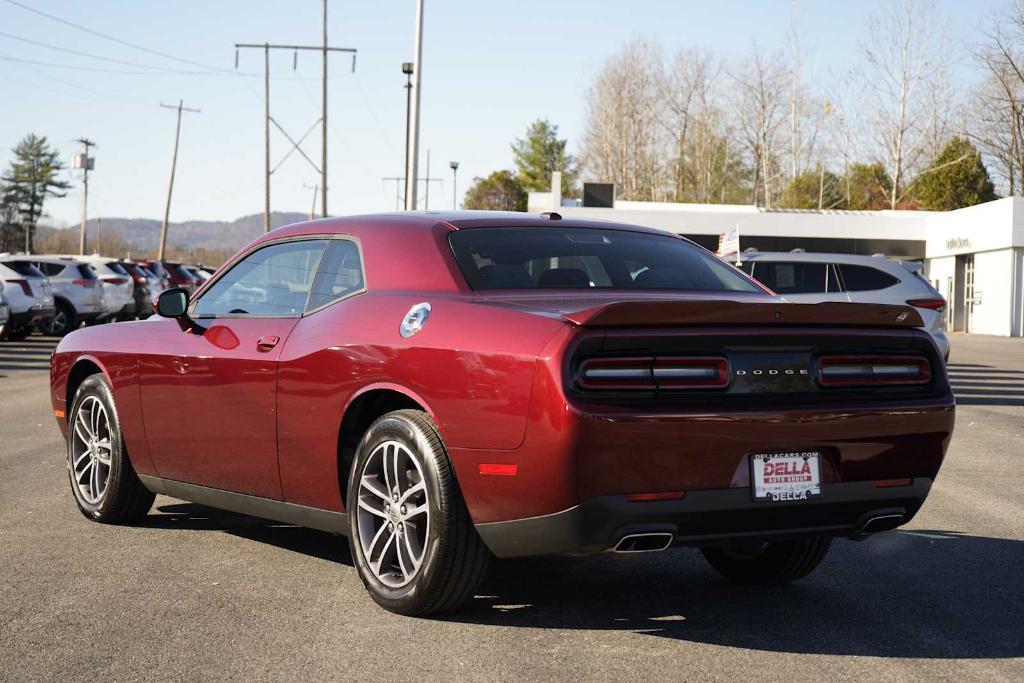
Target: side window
x,y
50,269
792,278
274,281
865,278
340,274
832,285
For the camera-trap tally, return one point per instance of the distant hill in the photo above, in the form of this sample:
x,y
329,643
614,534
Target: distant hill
x,y
144,233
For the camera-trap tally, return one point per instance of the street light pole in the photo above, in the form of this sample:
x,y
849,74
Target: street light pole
x,y
454,165
412,154
407,70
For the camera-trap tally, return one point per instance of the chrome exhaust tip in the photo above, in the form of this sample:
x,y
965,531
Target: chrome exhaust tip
x,y
644,543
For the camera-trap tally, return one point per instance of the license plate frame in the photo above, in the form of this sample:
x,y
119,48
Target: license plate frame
x,y
798,477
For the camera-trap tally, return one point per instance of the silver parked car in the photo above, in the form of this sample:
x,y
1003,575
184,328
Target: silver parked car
x,y
118,286
77,292
811,278
28,295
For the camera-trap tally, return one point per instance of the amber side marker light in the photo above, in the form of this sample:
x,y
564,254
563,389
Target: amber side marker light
x,y
498,468
659,495
58,413
888,483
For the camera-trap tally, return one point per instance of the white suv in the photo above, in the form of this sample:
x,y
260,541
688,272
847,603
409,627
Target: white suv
x,y
812,278
118,286
28,295
77,292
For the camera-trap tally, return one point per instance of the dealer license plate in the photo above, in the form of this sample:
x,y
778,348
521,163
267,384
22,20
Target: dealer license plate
x,y
779,477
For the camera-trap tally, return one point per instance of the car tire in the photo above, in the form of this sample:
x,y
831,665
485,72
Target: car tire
x,y
402,451
115,495
64,320
20,334
773,562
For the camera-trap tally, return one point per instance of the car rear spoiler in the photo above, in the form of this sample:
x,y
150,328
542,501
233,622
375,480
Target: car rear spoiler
x,y
724,312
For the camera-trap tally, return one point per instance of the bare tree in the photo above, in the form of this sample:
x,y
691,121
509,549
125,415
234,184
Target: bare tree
x,y
622,137
905,65
998,118
760,111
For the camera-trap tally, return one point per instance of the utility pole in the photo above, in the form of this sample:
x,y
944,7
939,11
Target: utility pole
x,y
312,209
399,182
174,165
407,68
84,162
454,165
323,119
322,170
426,190
413,129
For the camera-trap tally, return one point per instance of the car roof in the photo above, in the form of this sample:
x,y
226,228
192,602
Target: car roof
x,y
821,257
453,220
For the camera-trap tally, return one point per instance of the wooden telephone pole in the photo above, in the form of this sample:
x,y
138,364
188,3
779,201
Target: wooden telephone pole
x,y
84,162
174,166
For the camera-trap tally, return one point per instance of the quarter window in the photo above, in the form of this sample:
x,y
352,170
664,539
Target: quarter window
x,y
865,278
792,278
274,281
340,274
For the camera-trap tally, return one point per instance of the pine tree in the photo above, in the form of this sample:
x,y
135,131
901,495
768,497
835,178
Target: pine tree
x,y
540,154
955,179
30,179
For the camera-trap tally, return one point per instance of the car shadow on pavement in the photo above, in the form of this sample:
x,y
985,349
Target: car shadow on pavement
x,y
915,594
298,539
975,384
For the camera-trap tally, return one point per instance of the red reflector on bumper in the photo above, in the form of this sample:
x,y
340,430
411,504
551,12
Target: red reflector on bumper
x,y
886,483
498,468
659,495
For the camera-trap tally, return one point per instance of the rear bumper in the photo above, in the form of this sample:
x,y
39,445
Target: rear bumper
x,y
705,517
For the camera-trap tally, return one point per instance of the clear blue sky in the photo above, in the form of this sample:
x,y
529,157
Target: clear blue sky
x,y
490,68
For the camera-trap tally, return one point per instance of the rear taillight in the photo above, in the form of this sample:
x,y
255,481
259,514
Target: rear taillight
x,y
938,304
24,286
116,280
845,371
647,372
84,283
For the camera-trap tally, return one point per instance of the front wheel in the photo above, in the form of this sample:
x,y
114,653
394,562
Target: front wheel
x,y
412,540
767,563
103,480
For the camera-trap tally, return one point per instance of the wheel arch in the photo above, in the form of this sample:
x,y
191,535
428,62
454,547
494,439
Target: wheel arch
x,y
363,408
83,367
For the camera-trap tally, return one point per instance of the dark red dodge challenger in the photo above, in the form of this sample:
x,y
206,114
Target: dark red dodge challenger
x,y
444,388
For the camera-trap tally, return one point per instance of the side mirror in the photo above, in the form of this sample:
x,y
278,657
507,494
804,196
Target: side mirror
x,y
172,303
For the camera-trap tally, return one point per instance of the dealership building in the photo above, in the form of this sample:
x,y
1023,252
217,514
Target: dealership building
x,y
973,256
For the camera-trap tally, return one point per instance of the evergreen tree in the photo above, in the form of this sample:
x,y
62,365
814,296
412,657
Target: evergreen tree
x,y
805,191
540,154
500,191
955,179
31,178
869,187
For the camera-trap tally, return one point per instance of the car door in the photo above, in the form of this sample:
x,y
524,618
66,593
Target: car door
x,y
210,394
800,281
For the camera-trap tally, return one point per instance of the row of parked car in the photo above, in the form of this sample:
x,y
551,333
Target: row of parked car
x,y
57,293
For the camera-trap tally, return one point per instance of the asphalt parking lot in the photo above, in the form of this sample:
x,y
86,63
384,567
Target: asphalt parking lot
x,y
198,594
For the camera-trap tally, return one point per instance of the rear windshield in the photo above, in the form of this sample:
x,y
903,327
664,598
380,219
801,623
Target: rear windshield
x,y
117,268
87,271
24,268
574,258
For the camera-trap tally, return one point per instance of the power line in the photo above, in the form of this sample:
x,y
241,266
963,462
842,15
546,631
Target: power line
x,y
68,50
114,39
94,69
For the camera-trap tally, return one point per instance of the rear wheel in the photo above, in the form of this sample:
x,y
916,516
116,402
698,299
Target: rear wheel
x,y
64,320
412,540
103,480
766,563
